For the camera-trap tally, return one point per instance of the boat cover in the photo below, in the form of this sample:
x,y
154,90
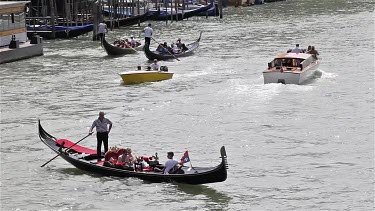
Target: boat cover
x,y
76,148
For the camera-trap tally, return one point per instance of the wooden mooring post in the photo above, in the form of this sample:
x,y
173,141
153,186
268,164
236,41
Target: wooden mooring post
x,y
96,11
51,4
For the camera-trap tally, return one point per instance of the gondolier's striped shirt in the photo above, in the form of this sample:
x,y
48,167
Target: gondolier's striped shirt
x,y
101,126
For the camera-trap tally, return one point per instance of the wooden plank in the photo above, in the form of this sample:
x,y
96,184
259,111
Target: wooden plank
x,y
12,9
12,31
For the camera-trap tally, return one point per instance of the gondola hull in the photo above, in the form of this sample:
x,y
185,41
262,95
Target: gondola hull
x,y
133,20
60,31
168,15
194,175
115,51
151,55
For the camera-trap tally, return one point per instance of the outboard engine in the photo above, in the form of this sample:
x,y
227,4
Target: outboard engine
x,y
164,68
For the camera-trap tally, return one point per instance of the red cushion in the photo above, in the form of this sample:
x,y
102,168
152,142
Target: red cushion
x,y
148,169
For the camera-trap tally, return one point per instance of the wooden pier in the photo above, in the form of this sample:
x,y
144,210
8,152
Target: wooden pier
x,y
71,13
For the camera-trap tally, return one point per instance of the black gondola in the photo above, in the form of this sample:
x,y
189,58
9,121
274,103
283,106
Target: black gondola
x,y
114,50
133,20
60,31
151,55
164,15
78,157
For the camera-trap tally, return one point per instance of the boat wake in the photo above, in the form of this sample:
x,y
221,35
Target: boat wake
x,y
317,74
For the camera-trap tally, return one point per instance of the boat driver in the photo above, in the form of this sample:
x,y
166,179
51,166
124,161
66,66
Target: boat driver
x,y
155,66
296,49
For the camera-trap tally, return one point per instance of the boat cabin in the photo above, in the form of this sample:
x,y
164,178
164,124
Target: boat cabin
x,y
12,22
290,62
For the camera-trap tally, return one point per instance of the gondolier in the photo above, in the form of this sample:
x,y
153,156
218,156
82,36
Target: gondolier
x,y
148,34
102,131
102,29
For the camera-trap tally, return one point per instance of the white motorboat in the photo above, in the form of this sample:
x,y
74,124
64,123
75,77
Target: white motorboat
x,y
291,68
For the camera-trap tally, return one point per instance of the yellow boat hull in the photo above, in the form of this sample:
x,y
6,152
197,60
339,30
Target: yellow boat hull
x,y
134,77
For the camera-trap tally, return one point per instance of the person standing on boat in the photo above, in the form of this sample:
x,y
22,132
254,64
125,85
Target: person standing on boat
x,y
102,131
314,52
171,165
296,49
102,29
148,34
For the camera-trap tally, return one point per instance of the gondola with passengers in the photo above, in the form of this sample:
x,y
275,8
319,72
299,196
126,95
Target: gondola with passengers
x,y
86,159
178,49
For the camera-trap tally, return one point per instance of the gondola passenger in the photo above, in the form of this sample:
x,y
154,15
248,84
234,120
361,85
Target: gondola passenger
x,y
166,48
160,48
127,44
133,42
171,165
126,159
175,49
178,43
184,48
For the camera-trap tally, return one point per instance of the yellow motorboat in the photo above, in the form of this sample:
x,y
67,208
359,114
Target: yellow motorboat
x,y
141,76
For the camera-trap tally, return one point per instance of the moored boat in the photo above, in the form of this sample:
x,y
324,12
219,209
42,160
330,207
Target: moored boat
x,y
141,76
85,159
168,14
291,68
114,50
151,55
14,44
132,20
60,31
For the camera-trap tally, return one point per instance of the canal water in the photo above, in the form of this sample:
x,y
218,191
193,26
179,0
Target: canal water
x,y
289,147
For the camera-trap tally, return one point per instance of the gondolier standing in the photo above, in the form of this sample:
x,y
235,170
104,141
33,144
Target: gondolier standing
x,y
148,34
102,131
102,29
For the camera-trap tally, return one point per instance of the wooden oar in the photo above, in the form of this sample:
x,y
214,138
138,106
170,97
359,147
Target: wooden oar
x,y
165,49
65,150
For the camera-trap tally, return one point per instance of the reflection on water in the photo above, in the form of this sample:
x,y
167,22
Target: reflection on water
x,y
73,171
211,194
216,97
318,74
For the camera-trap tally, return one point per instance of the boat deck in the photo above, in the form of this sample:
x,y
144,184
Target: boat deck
x,y
284,69
22,45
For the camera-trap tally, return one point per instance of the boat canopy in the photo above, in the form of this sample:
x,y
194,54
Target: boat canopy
x,y
293,56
